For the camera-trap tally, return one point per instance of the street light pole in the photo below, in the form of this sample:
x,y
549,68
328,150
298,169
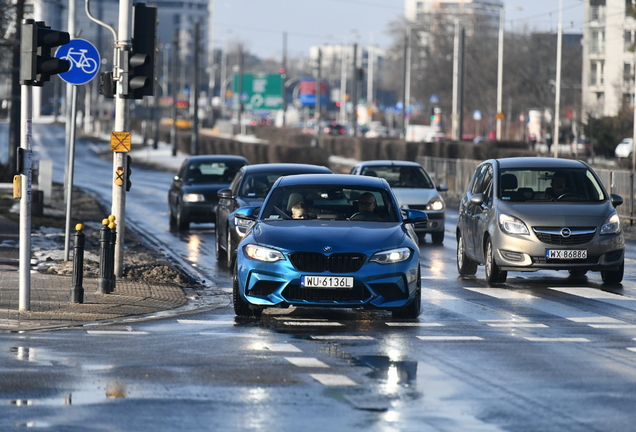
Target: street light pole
x,y
557,108
500,72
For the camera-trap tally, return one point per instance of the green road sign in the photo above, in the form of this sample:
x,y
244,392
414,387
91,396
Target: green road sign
x,y
260,91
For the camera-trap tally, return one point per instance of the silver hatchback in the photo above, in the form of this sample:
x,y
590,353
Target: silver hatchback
x,y
529,214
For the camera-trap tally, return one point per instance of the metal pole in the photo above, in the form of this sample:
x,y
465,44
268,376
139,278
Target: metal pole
x,y
175,90
370,75
354,90
557,99
285,73
26,133
70,168
69,111
500,72
223,74
194,94
455,113
121,125
318,99
343,85
406,78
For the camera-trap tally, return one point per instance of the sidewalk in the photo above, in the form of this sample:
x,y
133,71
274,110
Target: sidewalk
x,y
50,305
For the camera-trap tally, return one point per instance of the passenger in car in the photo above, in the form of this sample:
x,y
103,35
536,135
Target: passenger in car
x,y
299,211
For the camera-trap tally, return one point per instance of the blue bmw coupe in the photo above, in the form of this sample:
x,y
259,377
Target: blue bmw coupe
x,y
329,240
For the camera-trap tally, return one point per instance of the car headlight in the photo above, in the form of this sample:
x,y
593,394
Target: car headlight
x,y
192,197
242,225
512,225
435,204
391,256
262,253
612,225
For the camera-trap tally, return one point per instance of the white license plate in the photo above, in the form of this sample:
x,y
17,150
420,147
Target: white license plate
x,y
565,254
326,281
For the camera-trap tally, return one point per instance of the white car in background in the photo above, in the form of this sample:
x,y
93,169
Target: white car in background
x,y
417,192
624,149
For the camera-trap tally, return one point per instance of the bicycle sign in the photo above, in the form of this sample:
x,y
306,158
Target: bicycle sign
x,y
84,59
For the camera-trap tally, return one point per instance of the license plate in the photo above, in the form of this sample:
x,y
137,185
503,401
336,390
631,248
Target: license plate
x,y
326,281
565,254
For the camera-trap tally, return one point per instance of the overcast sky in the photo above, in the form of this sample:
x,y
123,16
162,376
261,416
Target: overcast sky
x,y
260,24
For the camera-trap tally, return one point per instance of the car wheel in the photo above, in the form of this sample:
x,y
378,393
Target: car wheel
x,y
493,274
465,266
577,273
438,237
230,257
171,219
220,253
613,277
183,224
241,307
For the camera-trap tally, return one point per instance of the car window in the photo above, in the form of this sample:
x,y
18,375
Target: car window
x,y
211,172
257,185
477,184
333,202
401,176
550,185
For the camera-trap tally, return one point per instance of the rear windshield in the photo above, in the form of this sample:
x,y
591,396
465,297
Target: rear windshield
x,y
535,185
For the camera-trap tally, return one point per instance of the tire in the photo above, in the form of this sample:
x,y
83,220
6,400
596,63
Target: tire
x,y
183,224
577,273
171,219
437,237
465,266
613,277
220,253
241,307
493,274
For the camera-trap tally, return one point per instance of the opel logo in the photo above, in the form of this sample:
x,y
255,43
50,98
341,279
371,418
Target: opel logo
x,y
327,248
566,232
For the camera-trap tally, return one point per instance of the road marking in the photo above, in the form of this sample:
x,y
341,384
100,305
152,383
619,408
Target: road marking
x,y
413,324
540,339
342,337
632,349
449,338
233,335
115,332
613,326
333,380
592,293
306,362
596,319
281,347
433,278
205,322
503,294
518,325
313,323
299,319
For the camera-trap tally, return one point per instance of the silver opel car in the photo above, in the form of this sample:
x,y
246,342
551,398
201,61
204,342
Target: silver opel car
x,y
529,214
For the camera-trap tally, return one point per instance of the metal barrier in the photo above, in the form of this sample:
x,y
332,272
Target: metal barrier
x,y
456,173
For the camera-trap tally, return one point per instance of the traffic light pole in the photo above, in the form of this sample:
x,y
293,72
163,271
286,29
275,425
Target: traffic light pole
x,y
26,177
118,208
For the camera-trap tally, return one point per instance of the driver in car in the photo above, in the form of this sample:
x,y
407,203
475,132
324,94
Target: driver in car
x,y
366,202
559,187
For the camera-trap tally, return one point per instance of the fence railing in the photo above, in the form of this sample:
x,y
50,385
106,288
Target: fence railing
x,y
456,173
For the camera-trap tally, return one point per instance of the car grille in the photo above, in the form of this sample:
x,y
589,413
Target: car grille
x,y
389,291
296,293
552,235
318,263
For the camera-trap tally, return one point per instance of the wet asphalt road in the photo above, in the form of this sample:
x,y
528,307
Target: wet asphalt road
x,y
541,352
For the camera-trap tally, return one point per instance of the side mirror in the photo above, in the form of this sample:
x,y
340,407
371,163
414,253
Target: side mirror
x,y
442,188
616,200
249,213
414,216
477,199
224,193
176,178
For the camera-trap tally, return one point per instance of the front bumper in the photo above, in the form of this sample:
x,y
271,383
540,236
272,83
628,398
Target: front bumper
x,y
435,223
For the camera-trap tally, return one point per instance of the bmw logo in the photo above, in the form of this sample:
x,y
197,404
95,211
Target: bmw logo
x,y
566,232
327,248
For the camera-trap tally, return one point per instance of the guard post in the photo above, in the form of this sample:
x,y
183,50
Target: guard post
x,y
113,242
105,258
77,290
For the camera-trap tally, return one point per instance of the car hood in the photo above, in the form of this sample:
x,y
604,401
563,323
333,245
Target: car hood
x,y
340,236
553,214
414,196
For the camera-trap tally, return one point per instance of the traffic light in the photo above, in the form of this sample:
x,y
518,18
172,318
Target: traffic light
x,y
37,62
360,74
140,62
107,85
283,72
128,171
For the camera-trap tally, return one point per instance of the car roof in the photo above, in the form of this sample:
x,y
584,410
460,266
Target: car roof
x,y
539,162
228,158
389,162
284,168
333,179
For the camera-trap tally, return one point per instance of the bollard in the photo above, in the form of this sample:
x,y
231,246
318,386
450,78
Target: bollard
x,y
113,240
77,291
103,282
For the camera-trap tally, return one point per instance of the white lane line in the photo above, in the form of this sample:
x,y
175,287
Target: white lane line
x,y
595,319
413,324
116,332
233,335
299,319
205,322
449,338
592,293
632,349
518,325
281,347
342,337
306,362
313,324
540,339
333,380
433,278
502,294
613,326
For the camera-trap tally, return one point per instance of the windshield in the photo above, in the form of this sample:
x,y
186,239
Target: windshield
x,y
211,172
401,176
258,185
333,202
534,185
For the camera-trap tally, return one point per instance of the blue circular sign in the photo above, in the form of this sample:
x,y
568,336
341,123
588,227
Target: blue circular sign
x,y
84,59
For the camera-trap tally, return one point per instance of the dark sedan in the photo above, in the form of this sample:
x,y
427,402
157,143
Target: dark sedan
x,y
193,192
249,188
